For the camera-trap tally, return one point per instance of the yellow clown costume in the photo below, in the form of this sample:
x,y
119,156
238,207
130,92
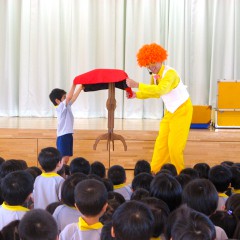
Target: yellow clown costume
x,y
175,125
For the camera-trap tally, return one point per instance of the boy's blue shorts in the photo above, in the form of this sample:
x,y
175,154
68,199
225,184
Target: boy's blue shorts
x,y
65,144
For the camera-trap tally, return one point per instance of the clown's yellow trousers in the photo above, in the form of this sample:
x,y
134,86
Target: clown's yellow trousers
x,y
172,138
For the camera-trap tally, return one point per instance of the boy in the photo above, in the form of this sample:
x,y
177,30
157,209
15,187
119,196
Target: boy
x,y
47,186
16,189
132,220
221,178
117,175
65,119
91,200
38,224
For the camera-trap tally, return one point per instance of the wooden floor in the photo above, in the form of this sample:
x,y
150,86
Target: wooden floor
x,y
23,138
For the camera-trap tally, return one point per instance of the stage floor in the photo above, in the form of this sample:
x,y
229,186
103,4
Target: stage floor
x,y
79,123
23,138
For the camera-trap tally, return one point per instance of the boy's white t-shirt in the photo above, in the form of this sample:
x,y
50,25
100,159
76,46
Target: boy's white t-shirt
x,y
65,118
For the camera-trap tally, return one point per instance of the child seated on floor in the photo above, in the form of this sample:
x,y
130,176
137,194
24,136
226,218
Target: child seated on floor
x,y
117,175
132,220
38,224
91,200
221,178
47,186
67,212
16,188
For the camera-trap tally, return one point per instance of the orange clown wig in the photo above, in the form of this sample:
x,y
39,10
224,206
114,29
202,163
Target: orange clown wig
x,y
151,53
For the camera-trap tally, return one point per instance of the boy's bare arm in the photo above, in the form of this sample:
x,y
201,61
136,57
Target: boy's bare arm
x,y
70,94
76,93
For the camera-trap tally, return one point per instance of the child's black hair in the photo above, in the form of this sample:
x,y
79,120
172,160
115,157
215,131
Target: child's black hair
x,y
38,224
193,173
142,166
221,177
56,93
52,207
48,158
10,231
225,220
168,189
186,224
67,191
117,174
133,220
202,169
99,169
90,197
139,194
171,168
11,165
80,164
183,179
16,187
160,211
201,195
142,180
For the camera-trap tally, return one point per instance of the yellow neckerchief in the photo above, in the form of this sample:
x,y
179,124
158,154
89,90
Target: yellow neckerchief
x,y
223,195
235,191
157,238
85,227
49,174
119,186
14,208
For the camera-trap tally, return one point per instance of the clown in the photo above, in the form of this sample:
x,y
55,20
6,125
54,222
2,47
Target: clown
x,y
175,125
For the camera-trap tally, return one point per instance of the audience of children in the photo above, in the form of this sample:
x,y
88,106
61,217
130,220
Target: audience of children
x,y
88,202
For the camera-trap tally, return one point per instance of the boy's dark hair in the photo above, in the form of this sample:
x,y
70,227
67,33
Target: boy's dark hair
x,y
225,220
117,174
183,179
160,211
142,166
171,168
106,232
56,93
32,172
37,170
142,180
221,177
10,231
80,164
233,204
90,197
187,224
202,169
48,158
235,182
193,173
11,165
168,189
38,224
140,194
16,187
133,220
64,171
115,199
98,168
201,195
52,207
67,191
227,163
108,184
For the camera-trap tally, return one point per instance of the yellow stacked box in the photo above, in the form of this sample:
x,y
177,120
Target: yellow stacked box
x,y
227,114
201,116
